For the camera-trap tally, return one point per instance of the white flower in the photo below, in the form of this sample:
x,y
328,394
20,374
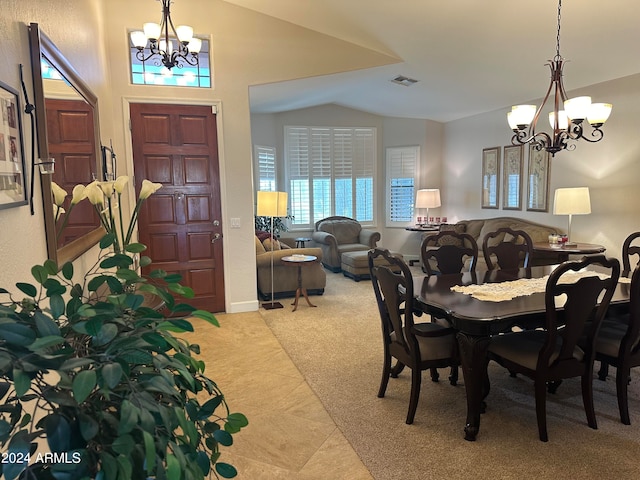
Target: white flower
x,y
94,193
59,194
148,188
57,211
120,183
78,194
107,188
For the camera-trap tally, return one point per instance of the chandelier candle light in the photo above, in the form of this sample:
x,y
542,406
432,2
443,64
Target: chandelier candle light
x,y
162,44
567,124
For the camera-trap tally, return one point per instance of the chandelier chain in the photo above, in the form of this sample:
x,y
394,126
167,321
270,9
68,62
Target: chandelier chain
x,y
558,34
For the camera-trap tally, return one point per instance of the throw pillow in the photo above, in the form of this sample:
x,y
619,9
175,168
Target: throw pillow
x,y
268,242
262,236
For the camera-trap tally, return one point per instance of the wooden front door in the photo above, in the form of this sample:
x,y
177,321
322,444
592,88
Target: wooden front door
x,y
177,146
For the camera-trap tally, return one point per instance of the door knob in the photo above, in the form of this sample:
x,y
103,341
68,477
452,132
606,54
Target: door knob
x,y
216,237
216,223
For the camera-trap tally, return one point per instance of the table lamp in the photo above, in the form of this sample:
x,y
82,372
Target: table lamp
x,y
271,204
428,198
571,201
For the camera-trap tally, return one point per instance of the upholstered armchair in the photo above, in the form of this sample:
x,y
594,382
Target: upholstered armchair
x,y
337,235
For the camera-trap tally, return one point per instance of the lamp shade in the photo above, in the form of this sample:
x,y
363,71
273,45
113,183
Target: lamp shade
x,y
572,201
271,204
428,198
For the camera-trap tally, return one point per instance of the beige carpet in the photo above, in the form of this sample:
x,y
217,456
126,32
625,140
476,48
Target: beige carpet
x,y
338,349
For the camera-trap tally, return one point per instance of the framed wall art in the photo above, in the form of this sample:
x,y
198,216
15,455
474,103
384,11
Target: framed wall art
x,y
512,177
13,183
490,177
538,180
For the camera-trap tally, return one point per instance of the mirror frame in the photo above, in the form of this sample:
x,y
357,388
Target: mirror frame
x,y
41,46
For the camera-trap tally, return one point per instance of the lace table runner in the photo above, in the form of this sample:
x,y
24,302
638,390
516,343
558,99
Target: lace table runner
x,y
503,291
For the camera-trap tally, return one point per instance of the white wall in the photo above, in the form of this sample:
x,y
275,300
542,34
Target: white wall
x,y
610,168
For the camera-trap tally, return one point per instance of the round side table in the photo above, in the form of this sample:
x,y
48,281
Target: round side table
x,y
300,261
300,241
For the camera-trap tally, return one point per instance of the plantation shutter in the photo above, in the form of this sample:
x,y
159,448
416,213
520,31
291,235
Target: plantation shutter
x,y
402,165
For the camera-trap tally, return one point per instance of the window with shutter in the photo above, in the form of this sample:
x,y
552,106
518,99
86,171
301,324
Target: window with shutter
x,y
265,160
402,173
330,171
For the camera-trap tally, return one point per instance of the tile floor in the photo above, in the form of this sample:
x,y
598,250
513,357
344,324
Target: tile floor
x,y
290,435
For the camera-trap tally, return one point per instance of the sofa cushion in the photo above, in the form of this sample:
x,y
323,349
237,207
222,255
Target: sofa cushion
x,y
259,247
345,231
447,240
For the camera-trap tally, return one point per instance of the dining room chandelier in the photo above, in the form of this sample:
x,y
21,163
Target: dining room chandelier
x,y
172,46
567,124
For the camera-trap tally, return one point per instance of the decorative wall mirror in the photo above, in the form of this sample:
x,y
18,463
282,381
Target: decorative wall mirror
x,y
68,131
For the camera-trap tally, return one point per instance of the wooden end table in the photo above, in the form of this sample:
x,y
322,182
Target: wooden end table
x,y
300,261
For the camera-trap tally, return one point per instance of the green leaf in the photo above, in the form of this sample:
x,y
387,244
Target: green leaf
x,y
51,267
111,373
96,282
223,437
128,417
118,260
46,342
202,459
177,325
145,261
22,382
56,302
127,274
67,270
53,287
225,470
235,421
107,333
208,316
209,407
173,278
17,334
89,426
149,452
124,466
39,273
135,247
45,325
124,444
19,444
83,383
107,240
58,432
159,273
173,468
109,466
27,289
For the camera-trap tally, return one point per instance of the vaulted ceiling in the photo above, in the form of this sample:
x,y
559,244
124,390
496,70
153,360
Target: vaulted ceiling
x,y
469,56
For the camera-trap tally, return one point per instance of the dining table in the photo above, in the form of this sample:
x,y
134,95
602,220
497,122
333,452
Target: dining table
x,y
476,320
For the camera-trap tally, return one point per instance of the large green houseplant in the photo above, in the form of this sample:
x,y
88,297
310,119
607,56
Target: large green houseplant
x,y
87,367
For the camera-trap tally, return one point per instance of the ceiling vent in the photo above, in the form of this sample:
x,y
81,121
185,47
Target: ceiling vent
x,y
404,81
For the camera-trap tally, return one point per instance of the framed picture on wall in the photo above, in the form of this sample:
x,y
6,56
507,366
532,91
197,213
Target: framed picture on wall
x,y
490,177
512,177
538,180
13,184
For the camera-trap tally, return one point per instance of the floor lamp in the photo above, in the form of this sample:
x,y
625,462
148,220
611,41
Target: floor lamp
x,y
272,204
428,198
571,201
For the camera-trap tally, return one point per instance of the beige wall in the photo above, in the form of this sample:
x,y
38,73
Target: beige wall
x,y
75,27
609,168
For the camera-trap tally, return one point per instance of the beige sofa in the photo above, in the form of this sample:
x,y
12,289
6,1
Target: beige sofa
x,y
479,228
285,277
337,235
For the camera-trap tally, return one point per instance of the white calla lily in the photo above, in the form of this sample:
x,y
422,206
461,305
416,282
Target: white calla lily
x,y
120,183
94,193
107,188
148,188
78,194
59,194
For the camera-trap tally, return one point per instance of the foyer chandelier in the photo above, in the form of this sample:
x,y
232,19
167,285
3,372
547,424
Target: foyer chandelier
x,y
567,124
173,46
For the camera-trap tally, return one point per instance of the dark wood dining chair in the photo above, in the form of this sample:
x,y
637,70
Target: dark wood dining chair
x,y
618,344
628,251
507,248
419,346
566,346
450,250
